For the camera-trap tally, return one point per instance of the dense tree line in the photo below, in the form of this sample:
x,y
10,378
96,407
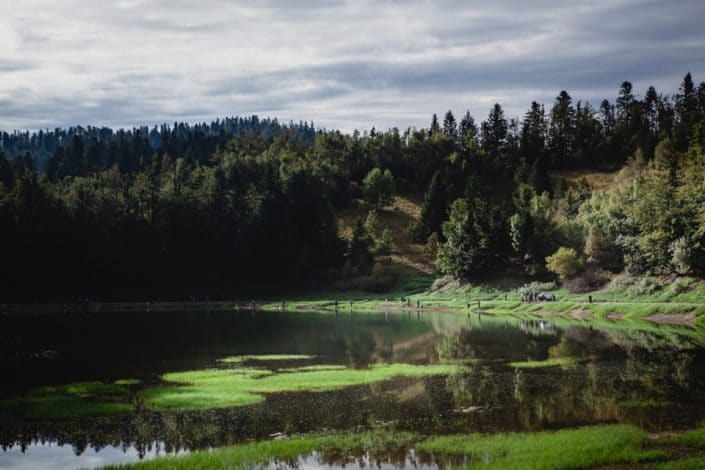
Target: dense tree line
x,y
214,208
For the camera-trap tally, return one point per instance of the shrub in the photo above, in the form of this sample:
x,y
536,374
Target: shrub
x,y
681,255
385,244
537,287
372,224
431,247
680,285
565,262
646,286
622,281
588,281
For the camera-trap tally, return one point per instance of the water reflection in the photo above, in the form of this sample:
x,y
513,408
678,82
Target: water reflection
x,y
651,377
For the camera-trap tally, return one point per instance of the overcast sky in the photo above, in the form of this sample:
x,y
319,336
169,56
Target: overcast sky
x,y
346,65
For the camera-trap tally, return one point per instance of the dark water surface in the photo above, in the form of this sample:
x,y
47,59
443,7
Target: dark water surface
x,y
649,376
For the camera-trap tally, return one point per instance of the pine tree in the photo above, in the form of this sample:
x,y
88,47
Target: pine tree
x,y
465,251
468,129
359,254
533,134
494,133
450,126
435,128
562,129
435,208
686,111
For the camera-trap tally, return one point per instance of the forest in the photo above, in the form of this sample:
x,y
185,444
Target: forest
x,y
221,209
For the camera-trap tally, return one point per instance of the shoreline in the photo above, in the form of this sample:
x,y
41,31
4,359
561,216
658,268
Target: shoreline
x,y
658,313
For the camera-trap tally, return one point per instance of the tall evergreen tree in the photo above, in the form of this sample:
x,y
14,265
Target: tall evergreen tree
x,y
562,130
533,134
450,126
686,111
494,132
465,251
434,209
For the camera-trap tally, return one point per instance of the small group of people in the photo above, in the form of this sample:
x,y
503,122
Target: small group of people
x,y
252,305
407,301
532,296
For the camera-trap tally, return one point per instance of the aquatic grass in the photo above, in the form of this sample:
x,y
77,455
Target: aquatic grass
x,y
265,358
324,380
314,368
338,447
218,388
128,382
570,448
693,438
553,362
694,463
72,401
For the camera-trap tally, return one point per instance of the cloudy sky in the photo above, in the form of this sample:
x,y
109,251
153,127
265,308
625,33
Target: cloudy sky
x,y
349,64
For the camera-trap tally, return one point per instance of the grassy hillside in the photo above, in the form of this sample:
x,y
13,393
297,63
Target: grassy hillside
x,y
407,257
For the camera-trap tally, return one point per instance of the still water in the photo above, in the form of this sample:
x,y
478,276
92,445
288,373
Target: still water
x,y
647,375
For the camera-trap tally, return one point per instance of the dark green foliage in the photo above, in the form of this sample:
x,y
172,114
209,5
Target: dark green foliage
x,y
469,240
494,132
378,188
213,209
562,129
434,210
359,258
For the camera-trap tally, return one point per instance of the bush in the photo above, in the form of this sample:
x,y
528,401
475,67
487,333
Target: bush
x,y
431,247
589,281
646,286
385,244
537,287
372,224
680,285
565,262
681,255
622,282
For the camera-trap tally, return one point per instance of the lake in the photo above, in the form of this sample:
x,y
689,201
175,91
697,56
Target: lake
x,y
456,373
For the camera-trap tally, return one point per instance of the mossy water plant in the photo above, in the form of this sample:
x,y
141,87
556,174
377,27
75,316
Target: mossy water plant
x,y
217,388
73,401
265,358
551,362
237,385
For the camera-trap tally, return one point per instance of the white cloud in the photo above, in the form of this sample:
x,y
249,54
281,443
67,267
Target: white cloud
x,y
348,65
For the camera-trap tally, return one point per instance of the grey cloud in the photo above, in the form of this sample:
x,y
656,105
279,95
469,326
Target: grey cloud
x,y
343,64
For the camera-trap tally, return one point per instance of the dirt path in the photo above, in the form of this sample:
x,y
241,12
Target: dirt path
x,y
672,318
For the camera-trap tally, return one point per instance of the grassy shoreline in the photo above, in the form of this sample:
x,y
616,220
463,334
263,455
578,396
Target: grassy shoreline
x,y
582,447
680,302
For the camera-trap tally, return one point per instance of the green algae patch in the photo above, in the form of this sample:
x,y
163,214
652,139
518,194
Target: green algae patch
x,y
128,382
558,361
694,463
572,448
218,388
314,368
71,402
694,438
265,358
